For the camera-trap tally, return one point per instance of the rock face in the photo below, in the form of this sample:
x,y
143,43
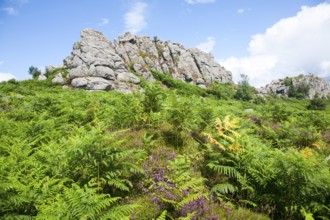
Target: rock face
x,y
97,64
314,85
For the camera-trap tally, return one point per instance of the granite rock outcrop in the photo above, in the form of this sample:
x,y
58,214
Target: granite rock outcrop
x,y
313,85
98,64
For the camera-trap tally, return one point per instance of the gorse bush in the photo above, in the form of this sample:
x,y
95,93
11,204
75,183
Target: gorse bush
x,y
180,152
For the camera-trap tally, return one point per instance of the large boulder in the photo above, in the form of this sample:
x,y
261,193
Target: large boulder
x,y
95,65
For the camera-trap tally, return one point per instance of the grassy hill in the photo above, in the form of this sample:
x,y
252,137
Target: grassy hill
x,y
170,152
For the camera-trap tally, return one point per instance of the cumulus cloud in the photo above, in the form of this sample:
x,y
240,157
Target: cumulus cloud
x,y
6,76
199,1
135,18
292,46
10,11
208,45
104,21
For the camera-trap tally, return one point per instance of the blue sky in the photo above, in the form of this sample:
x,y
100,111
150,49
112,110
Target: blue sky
x,y
264,39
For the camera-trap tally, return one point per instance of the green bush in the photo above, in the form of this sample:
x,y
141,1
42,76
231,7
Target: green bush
x,y
34,72
181,87
317,104
244,91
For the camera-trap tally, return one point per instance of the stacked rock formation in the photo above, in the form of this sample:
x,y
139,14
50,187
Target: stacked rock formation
x,y
316,86
97,64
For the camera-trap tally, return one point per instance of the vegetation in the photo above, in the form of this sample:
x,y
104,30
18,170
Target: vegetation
x,y
244,92
298,91
317,103
180,152
34,72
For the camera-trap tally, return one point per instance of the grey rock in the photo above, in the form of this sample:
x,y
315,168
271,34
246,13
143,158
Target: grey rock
x,y
165,68
51,68
92,83
200,81
79,71
96,63
317,86
249,110
102,71
42,76
58,79
210,70
138,68
124,87
128,77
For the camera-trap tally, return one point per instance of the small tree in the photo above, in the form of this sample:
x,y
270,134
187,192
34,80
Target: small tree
x,y
34,72
244,91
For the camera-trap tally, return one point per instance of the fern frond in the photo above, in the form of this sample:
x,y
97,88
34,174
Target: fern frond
x,y
228,138
119,212
121,184
224,188
194,183
218,124
162,216
226,170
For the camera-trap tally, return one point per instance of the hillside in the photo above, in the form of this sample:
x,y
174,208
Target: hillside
x,y
171,152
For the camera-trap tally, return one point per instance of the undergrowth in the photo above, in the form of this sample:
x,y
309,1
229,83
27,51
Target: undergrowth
x,y
178,153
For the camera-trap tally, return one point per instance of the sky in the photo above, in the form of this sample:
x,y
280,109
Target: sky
x,y
265,40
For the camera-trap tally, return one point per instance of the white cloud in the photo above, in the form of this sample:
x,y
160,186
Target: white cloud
x,y
199,1
6,76
10,11
135,18
207,46
104,21
292,46
240,11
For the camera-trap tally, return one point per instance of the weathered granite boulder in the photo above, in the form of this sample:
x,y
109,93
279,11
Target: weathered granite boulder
x,y
189,65
58,79
42,76
314,84
96,63
92,83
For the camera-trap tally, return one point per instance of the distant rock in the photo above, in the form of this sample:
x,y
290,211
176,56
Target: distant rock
x,y
58,79
42,76
313,85
97,64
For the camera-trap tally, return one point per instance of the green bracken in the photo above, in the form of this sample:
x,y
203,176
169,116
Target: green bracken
x,y
171,152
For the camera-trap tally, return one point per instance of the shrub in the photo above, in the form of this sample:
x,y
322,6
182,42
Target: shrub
x,y
317,104
222,90
244,91
34,72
